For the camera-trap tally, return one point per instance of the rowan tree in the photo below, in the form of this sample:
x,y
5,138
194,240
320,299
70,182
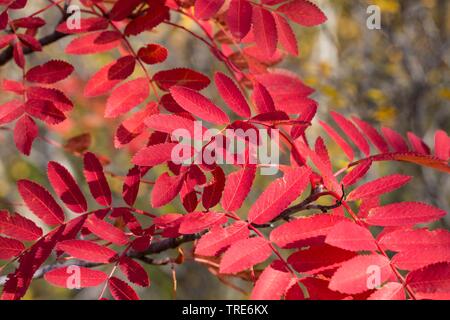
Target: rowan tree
x,y
316,231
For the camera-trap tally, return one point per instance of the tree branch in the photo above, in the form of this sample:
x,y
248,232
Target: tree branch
x,y
167,244
156,247
7,54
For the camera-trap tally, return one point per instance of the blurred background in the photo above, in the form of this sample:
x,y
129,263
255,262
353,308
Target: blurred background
x,y
397,77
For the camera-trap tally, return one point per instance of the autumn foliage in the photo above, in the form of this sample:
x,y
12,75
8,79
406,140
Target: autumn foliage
x,y
313,233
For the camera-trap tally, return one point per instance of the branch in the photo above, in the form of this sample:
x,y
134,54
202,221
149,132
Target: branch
x,y
167,244
307,204
7,54
156,247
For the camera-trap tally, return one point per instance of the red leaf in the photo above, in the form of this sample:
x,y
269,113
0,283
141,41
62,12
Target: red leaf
x,y
106,231
389,291
350,236
123,8
79,143
131,185
154,155
239,18
263,100
376,138
321,160
57,97
169,123
132,127
18,227
30,42
317,290
303,228
413,157
237,187
278,195
404,214
10,248
153,53
126,97
353,276
419,258
232,96
166,188
25,132
198,221
44,110
109,76
94,42
40,202
87,250
213,191
220,238
120,290
180,77
156,15
409,239
287,91
66,187
50,72
10,111
134,272
318,259
417,144
169,223
244,254
29,262
264,30
206,9
13,86
286,35
73,227
431,282
357,173
303,12
272,283
442,145
352,132
198,105
18,55
29,22
122,68
379,186
93,172
86,25
395,140
338,139
62,277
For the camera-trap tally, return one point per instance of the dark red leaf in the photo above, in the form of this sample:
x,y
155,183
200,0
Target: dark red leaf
x,y
244,254
18,227
25,132
180,77
66,187
120,290
95,177
50,72
40,202
85,277
87,250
